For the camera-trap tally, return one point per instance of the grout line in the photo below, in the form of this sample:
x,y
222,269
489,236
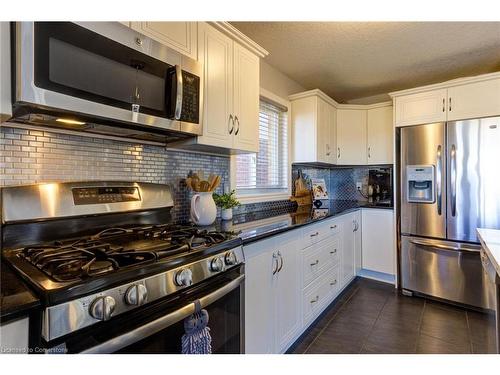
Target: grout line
x,y
419,330
330,320
373,325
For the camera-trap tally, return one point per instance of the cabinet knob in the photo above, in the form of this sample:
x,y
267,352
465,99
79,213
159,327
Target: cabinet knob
x,y
315,263
333,252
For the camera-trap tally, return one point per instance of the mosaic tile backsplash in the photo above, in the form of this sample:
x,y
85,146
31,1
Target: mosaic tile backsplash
x,y
33,156
340,182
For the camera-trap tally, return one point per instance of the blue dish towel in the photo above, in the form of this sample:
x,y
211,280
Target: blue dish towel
x,y
197,339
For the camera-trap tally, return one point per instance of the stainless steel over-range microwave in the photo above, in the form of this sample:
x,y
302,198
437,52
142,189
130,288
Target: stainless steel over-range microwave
x,y
103,77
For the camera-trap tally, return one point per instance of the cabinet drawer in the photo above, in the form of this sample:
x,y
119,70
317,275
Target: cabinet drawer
x,y
318,258
314,234
332,227
319,294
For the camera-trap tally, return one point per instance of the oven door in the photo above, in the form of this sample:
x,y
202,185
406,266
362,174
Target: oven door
x,y
107,71
159,327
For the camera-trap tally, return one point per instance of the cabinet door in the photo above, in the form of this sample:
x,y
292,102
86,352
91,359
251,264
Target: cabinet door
x,y
259,297
14,335
378,240
326,137
246,100
421,108
380,135
480,99
216,54
288,291
351,136
332,145
357,225
180,36
323,132
347,270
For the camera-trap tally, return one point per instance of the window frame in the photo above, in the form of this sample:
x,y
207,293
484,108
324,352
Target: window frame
x,y
274,196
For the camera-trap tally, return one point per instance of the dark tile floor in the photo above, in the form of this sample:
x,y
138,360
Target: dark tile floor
x,y
372,317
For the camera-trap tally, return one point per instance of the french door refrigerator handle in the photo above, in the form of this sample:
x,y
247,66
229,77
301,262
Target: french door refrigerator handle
x,y
468,248
163,322
453,180
438,180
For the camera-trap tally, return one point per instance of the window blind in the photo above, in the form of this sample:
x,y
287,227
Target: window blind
x,y
266,171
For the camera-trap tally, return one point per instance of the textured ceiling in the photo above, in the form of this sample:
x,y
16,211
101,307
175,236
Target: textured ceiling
x,y
352,60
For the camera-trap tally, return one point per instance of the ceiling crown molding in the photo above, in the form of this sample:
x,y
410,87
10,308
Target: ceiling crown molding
x,y
234,33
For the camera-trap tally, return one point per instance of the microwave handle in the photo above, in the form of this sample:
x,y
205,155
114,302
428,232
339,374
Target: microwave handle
x,y
178,98
165,321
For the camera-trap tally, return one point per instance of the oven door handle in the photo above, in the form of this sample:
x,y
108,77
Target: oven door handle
x,y
165,321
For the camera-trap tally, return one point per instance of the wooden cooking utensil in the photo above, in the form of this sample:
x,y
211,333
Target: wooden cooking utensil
x,y
188,183
204,186
215,183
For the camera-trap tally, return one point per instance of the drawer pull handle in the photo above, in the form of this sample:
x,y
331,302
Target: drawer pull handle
x,y
333,282
315,263
333,226
314,234
333,252
315,300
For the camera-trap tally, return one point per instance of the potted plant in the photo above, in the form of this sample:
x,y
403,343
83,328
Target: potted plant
x,y
226,202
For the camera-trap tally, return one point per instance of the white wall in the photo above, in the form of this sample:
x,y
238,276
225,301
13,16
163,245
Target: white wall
x,y
276,82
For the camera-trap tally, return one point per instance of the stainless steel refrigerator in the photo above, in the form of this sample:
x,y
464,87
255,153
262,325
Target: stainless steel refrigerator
x,y
450,185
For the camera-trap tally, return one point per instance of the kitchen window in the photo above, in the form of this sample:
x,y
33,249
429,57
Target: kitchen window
x,y
265,175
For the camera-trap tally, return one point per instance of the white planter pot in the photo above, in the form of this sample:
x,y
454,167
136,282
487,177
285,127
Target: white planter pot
x,y
226,213
203,209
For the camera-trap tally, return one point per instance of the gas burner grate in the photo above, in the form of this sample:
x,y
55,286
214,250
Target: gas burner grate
x,y
82,259
116,248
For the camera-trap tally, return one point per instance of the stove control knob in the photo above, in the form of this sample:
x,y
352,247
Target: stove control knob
x,y
230,258
217,264
183,277
102,307
136,295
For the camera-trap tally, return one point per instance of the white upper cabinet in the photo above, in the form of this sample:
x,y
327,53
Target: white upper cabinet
x,y
314,128
421,108
5,100
351,136
245,99
459,99
216,54
380,135
180,36
479,99
230,93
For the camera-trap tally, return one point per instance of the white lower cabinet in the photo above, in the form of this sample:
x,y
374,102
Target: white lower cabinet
x,y
291,278
14,336
272,294
378,240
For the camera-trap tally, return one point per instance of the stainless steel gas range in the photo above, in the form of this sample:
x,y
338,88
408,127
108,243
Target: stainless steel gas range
x,y
114,274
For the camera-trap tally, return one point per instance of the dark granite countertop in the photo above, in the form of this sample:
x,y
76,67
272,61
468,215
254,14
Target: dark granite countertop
x,y
265,226
16,299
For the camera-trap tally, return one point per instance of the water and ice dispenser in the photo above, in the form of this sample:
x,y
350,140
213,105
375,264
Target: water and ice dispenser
x,y
420,183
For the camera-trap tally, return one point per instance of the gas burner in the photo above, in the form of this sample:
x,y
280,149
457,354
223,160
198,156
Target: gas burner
x,y
78,260
116,248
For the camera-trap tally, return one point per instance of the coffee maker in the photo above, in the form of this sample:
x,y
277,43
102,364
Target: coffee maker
x,y
380,186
